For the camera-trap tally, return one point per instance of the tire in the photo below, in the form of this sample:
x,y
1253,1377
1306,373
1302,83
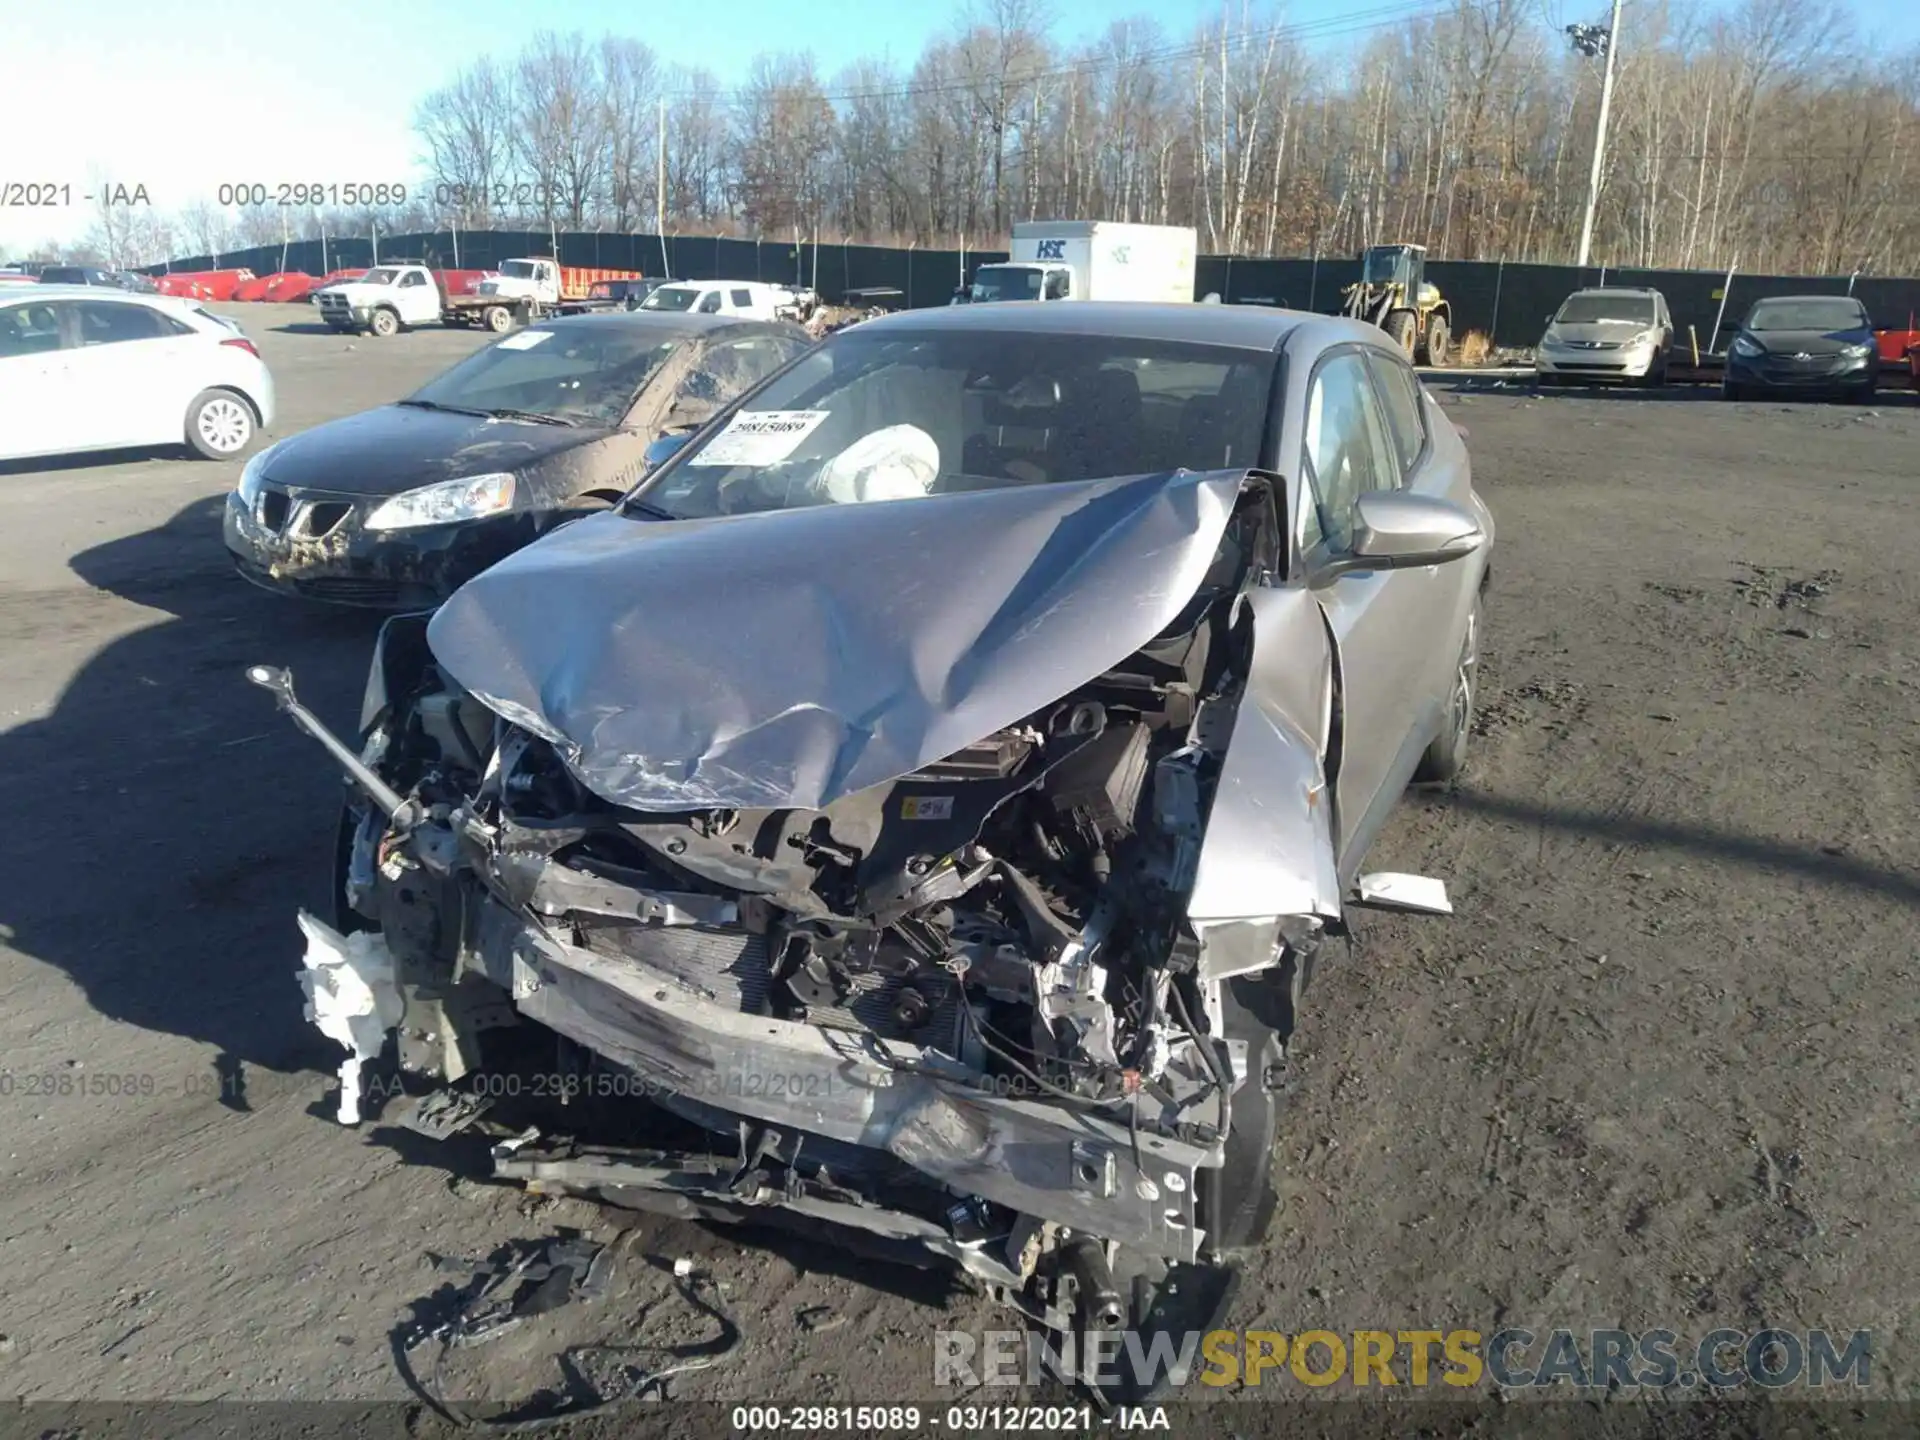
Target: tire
x,y
1656,376
345,918
498,318
1401,327
1446,757
1439,339
382,324
1731,391
220,425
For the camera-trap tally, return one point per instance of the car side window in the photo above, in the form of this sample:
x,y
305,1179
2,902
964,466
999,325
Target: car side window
x,y
710,303
1400,398
105,323
28,330
412,277
1347,452
743,298
1059,286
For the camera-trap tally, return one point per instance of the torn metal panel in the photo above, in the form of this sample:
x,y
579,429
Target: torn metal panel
x,y
906,631
1390,890
1269,842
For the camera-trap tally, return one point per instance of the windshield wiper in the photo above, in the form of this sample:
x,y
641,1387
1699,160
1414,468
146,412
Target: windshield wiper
x,y
449,409
534,417
652,512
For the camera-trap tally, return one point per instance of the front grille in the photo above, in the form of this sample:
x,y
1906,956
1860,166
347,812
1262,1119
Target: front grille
x,y
323,517
349,590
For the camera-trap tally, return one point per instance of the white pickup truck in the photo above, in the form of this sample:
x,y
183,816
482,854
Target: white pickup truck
x,y
383,300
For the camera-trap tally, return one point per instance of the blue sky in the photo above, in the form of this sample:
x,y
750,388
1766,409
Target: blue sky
x,y
220,93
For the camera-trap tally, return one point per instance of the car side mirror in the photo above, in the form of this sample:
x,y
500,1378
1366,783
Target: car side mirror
x,y
1393,530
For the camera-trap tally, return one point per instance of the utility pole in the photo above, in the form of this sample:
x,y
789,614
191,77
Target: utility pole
x,y
660,193
1586,40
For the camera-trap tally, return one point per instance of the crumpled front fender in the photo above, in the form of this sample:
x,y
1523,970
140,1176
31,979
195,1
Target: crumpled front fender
x,y
1269,849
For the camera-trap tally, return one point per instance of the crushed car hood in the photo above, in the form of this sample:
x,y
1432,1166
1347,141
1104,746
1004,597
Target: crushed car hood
x,y
793,657
400,447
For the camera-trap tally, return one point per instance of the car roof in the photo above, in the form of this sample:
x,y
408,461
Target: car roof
x,y
664,322
93,292
1236,326
1616,290
1771,299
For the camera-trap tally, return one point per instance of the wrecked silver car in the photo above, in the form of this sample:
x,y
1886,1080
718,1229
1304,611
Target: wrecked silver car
x,y
932,785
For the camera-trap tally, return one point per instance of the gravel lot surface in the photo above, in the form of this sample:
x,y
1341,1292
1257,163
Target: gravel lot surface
x,y
1657,1070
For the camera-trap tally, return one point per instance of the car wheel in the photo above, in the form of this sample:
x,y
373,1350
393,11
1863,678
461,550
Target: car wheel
x,y
1400,326
1446,757
499,319
219,424
1731,391
1439,338
383,323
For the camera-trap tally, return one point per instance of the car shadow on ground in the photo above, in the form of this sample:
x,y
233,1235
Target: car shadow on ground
x,y
305,327
94,459
166,821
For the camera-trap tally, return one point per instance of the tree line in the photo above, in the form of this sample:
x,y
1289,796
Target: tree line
x,y
1767,134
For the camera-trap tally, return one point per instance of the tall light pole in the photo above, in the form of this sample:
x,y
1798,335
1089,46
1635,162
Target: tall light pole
x,y
660,193
1591,40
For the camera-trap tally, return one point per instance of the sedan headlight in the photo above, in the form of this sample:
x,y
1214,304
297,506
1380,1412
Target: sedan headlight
x,y
451,500
1746,346
1857,352
256,471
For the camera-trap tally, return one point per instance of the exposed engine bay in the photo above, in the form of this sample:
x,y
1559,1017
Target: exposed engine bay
x,y
965,1013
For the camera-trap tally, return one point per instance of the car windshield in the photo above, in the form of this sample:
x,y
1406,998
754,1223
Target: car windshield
x,y
880,417
1595,307
64,275
1812,313
584,374
382,276
518,269
1004,282
671,297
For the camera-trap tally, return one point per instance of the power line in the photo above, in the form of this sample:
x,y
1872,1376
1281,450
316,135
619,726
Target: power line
x,y
1376,17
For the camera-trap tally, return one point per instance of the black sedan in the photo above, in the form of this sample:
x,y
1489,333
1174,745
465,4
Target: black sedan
x,y
1801,345
396,508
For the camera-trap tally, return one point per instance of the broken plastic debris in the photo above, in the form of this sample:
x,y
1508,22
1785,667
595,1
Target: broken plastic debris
x,y
352,997
682,1268
1391,890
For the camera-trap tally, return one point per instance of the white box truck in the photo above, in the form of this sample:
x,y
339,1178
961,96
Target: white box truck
x,y
1091,260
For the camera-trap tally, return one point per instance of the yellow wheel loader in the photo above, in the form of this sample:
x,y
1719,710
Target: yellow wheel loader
x,y
1393,294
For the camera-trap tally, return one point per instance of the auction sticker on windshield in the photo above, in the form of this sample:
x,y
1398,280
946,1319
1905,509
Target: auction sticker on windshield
x,y
525,340
760,437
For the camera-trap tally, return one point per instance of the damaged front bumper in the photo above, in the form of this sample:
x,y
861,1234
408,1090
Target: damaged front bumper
x,y
315,544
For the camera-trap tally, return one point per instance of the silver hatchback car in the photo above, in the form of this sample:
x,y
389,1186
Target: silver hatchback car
x,y
934,783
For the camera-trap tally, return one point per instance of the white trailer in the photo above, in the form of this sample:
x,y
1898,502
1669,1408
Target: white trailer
x,y
1091,260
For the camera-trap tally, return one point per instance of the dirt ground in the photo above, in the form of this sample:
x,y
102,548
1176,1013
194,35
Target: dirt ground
x,y
1656,1071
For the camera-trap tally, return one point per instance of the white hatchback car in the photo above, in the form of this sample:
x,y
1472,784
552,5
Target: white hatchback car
x,y
85,368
